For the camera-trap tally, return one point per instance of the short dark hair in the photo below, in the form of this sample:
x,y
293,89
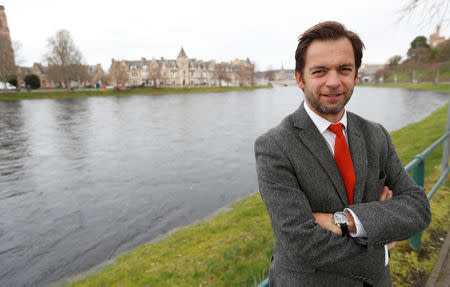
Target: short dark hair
x,y
328,30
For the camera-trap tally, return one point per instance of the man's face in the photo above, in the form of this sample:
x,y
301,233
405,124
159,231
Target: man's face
x,y
328,77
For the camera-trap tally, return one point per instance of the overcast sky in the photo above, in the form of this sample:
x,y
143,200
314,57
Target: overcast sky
x,y
264,31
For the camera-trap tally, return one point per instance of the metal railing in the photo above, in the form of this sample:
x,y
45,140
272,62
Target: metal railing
x,y
417,166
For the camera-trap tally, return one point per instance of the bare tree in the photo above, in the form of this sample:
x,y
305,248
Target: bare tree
x,y
394,61
7,64
64,56
431,11
55,74
220,73
80,74
154,73
119,74
106,79
270,75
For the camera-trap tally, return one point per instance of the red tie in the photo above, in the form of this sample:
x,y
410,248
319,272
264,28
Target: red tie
x,y
343,160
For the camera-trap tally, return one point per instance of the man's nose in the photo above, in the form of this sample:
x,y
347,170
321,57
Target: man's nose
x,y
333,80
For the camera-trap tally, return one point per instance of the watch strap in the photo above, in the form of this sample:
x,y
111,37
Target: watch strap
x,y
344,228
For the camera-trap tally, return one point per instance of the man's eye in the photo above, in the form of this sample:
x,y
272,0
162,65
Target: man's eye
x,y
318,72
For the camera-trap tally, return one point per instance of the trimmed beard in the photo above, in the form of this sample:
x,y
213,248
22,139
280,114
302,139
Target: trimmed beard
x,y
323,109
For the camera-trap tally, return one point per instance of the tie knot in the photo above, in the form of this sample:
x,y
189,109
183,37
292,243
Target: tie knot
x,y
336,128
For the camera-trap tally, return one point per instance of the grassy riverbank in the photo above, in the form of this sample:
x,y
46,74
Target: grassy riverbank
x,y
234,247
57,94
419,86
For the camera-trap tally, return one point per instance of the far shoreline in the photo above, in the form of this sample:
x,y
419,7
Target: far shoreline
x,y
65,94
426,86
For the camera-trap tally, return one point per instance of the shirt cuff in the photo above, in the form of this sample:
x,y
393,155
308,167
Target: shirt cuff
x,y
360,231
386,255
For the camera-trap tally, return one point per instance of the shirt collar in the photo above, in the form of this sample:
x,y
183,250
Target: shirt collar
x,y
321,123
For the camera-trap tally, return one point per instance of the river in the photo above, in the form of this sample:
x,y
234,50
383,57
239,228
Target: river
x,y
83,180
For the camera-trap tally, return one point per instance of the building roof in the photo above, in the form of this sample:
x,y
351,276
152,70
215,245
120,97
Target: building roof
x,y
182,53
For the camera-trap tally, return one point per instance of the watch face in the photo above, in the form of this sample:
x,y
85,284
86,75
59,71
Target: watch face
x,y
340,217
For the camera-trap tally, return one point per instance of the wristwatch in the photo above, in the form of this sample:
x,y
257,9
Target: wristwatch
x,y
341,219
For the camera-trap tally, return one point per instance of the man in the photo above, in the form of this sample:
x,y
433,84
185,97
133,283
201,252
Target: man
x,y
332,183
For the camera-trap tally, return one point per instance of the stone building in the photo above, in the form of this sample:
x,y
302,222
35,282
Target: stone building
x,y
42,72
95,75
181,72
7,63
435,38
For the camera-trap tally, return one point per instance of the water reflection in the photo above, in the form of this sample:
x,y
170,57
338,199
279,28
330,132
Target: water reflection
x,y
13,147
82,180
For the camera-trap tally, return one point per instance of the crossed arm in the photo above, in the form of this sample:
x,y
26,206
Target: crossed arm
x,y
325,221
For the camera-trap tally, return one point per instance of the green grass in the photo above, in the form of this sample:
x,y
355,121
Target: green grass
x,y
411,268
234,247
419,86
229,250
57,94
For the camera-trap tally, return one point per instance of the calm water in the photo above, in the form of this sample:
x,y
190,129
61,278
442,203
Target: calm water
x,y
82,180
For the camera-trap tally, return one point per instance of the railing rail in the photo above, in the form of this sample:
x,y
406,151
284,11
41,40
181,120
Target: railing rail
x,y
417,166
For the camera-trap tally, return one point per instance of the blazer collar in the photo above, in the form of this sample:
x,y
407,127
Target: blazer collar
x,y
316,144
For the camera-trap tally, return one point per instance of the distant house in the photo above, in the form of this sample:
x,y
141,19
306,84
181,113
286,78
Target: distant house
x,y
95,74
50,78
181,72
42,72
366,72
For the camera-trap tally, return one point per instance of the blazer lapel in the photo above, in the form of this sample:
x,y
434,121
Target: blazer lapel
x,y
358,152
316,144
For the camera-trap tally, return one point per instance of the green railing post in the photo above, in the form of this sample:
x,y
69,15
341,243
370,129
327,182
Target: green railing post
x,y
419,178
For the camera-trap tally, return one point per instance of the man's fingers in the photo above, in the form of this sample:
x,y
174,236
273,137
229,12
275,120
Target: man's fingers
x,y
392,245
383,194
386,193
389,194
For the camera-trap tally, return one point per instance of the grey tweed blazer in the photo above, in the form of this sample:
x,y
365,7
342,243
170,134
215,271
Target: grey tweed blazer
x,y
297,176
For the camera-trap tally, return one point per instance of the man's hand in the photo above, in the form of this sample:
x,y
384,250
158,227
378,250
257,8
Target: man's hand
x,y
386,193
325,221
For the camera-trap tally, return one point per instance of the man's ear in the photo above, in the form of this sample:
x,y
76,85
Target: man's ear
x,y
299,80
356,80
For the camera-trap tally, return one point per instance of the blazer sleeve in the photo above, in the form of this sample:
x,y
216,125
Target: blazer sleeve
x,y
402,216
298,240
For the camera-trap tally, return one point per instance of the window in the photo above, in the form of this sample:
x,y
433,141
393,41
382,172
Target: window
x,y
134,74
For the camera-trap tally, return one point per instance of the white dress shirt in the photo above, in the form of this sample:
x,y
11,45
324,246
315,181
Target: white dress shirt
x,y
330,137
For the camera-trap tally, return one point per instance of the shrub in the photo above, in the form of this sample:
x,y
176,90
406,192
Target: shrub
x,y
33,81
